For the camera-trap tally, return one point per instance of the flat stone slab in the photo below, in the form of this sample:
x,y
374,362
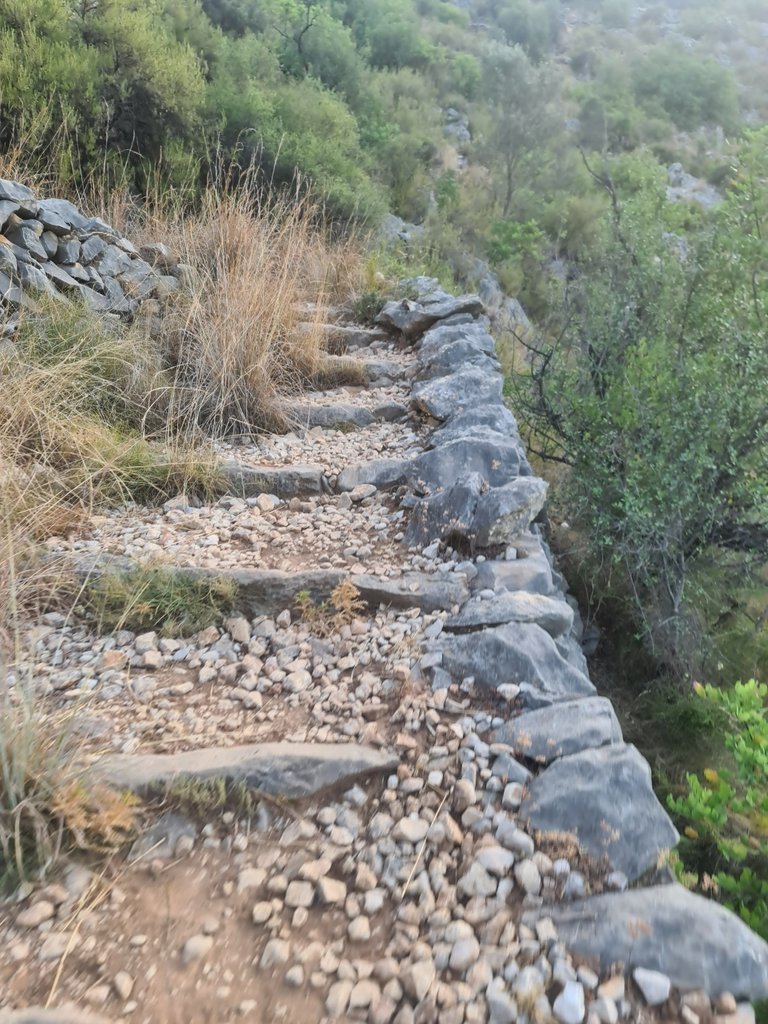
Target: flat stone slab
x,y
562,729
427,591
520,653
336,416
605,798
693,940
291,770
243,481
556,617
533,574
41,1015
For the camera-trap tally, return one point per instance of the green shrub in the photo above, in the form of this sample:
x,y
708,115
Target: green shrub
x,y
726,809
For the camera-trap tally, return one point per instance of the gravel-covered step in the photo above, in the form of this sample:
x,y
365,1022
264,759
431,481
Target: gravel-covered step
x,y
294,481
696,942
562,729
519,653
554,616
291,770
605,798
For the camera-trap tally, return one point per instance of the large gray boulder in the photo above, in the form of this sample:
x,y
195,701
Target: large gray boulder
x,y
475,421
445,335
448,515
504,512
384,474
605,798
289,770
450,358
439,467
413,318
520,653
556,617
471,512
562,729
467,387
694,941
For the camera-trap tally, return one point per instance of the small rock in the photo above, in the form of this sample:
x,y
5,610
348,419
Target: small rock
x,y
123,985
36,914
359,929
527,877
654,985
331,891
299,894
294,977
195,948
337,1001
569,1006
276,953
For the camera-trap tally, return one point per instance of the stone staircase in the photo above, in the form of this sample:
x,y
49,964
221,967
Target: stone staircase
x,y
470,839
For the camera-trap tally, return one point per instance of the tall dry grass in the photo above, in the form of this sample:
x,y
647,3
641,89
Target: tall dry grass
x,y
263,279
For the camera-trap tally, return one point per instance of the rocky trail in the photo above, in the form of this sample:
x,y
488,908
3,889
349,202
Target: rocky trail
x,y
444,823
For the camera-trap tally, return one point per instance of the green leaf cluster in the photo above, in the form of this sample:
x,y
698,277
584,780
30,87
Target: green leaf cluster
x,y
726,810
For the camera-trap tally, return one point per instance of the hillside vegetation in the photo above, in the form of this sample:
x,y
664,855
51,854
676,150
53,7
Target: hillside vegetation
x,y
528,138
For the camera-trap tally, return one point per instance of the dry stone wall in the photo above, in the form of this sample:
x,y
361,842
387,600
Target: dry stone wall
x,y
49,249
519,636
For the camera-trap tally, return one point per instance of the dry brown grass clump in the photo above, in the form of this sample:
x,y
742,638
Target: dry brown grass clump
x,y
262,280
48,802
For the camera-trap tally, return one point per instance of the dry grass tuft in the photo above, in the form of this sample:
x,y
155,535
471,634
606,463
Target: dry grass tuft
x,y
48,803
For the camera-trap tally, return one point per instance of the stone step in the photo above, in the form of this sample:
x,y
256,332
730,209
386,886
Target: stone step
x,y
343,337
245,481
331,416
290,770
269,591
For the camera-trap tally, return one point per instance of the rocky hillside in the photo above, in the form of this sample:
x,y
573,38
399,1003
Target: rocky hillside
x,y
389,789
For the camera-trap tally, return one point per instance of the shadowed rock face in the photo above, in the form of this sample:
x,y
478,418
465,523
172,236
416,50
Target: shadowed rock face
x,y
605,798
693,940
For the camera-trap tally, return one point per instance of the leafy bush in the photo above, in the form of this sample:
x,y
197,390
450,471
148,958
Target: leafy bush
x,y
726,809
652,388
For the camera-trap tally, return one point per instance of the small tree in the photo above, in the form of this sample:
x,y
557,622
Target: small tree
x,y
653,388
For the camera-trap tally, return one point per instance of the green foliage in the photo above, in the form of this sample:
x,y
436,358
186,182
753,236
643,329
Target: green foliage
x,y
726,810
653,388
155,597
690,90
